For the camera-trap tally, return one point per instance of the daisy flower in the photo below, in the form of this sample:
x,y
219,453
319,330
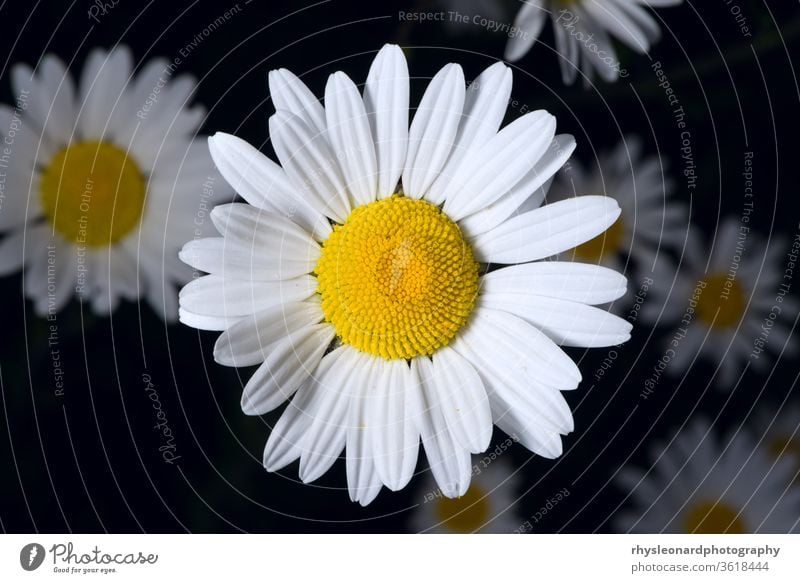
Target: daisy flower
x,y
486,507
370,302
650,221
779,431
103,182
728,307
583,31
698,485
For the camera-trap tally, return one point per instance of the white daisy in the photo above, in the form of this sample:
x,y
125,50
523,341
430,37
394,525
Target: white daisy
x,y
779,431
102,183
728,307
698,485
486,507
583,30
330,252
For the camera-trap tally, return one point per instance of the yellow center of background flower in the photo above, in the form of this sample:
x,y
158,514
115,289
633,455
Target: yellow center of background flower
x,y
713,517
605,244
397,279
465,514
92,193
722,302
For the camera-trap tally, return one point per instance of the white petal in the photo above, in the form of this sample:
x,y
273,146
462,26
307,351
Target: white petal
x,y
530,352
529,21
574,282
291,361
102,86
566,323
547,231
351,138
250,340
51,96
433,130
233,259
289,93
272,234
363,482
326,434
213,295
263,183
286,438
618,23
394,432
494,214
449,462
386,98
307,159
463,400
544,443
484,109
492,170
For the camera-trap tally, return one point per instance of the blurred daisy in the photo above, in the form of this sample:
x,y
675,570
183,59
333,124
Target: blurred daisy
x,y
779,432
583,30
486,507
697,485
331,252
104,182
649,223
725,307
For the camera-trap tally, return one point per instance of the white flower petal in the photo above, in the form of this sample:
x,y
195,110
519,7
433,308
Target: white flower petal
x,y
485,105
433,130
325,437
386,100
351,138
492,170
363,482
213,295
547,231
544,443
236,260
529,21
272,234
290,94
494,214
263,183
463,400
51,97
288,365
393,431
567,280
449,462
102,86
249,341
566,323
307,159
618,23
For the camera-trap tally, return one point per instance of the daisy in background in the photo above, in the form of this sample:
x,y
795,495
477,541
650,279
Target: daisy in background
x,y
779,432
486,507
729,307
700,485
104,182
369,302
650,222
583,31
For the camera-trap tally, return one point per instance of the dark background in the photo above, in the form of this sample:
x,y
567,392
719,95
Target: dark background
x,y
88,461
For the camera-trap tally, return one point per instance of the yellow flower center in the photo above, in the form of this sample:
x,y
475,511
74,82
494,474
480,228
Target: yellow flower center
x,y
466,514
721,302
92,193
713,517
397,279
605,244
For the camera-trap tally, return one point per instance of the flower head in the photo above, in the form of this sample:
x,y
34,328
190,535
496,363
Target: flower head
x,y
357,277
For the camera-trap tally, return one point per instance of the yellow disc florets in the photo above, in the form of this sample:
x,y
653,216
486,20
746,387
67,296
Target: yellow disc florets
x,y
92,193
397,279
